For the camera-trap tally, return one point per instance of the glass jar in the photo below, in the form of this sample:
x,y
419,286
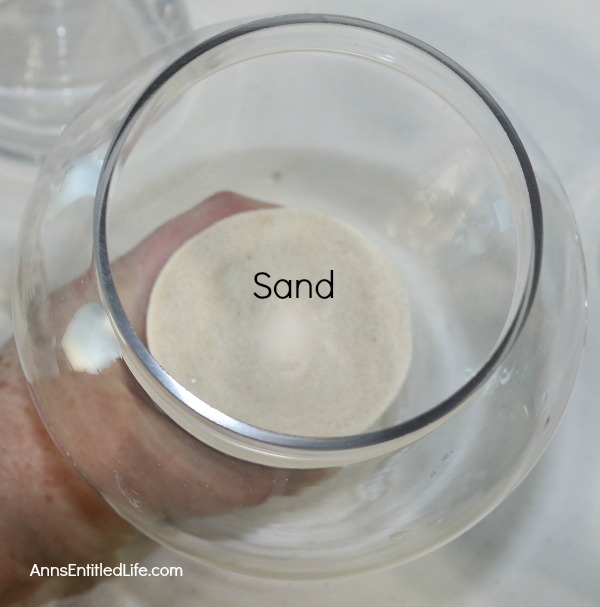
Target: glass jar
x,y
57,53
377,130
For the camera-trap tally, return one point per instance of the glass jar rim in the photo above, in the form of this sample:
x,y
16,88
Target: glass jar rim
x,y
242,439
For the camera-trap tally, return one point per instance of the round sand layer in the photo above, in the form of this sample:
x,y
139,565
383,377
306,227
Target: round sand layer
x,y
302,365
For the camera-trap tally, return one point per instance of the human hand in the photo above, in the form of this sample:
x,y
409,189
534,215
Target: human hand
x,y
49,515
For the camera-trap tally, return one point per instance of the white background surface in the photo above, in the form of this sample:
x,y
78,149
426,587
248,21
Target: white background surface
x,y
542,546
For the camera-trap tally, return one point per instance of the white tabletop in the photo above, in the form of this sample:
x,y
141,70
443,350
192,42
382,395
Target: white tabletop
x,y
541,547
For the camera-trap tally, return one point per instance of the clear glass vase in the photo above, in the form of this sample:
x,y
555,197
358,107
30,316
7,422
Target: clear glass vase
x,y
377,130
57,53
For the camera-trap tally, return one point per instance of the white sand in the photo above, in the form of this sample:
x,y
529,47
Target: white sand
x,y
311,367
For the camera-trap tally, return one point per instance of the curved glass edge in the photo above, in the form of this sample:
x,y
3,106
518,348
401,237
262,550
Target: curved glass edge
x,y
242,439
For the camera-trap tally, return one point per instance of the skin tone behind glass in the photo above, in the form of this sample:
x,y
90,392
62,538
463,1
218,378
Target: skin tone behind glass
x,y
49,515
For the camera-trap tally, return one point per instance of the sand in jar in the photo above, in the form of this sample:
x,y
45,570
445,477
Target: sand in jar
x,y
286,319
